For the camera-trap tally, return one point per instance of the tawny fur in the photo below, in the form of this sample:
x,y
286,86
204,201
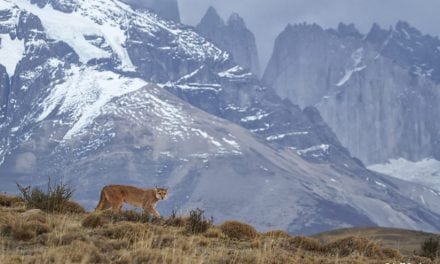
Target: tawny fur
x,y
113,196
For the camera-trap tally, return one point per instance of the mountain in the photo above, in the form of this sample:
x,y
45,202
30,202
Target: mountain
x,y
168,9
123,96
378,92
232,36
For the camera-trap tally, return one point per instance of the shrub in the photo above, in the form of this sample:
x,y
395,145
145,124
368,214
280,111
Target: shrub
x,y
238,230
304,243
23,228
391,253
277,234
214,232
73,207
8,201
125,230
92,221
55,199
354,245
430,248
175,220
419,259
130,216
197,222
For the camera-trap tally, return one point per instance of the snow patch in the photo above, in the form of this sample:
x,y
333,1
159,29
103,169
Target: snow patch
x,y
323,148
232,142
380,184
426,171
281,136
216,88
256,117
357,58
11,52
83,95
235,72
72,27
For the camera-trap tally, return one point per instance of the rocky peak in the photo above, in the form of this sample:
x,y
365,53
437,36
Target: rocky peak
x,y
232,36
236,21
377,35
348,30
210,20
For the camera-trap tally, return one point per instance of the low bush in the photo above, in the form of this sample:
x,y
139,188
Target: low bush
x,y
303,243
9,201
277,234
391,253
23,229
354,245
55,199
174,220
197,223
93,221
238,230
430,248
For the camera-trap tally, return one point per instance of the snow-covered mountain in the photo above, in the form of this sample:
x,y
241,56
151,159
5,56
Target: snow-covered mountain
x,y
232,36
379,92
123,96
167,9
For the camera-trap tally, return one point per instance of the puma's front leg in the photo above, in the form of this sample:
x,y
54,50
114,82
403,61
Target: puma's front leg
x,y
152,211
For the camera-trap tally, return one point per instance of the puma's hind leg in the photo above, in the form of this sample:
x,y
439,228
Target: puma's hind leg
x,y
116,205
103,203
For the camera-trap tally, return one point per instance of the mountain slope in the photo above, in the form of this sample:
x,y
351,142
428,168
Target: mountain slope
x,y
97,109
167,9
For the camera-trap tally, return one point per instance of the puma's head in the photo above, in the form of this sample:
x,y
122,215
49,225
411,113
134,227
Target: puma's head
x,y
161,193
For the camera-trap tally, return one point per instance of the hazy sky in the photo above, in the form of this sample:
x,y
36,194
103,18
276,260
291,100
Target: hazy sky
x,y
267,18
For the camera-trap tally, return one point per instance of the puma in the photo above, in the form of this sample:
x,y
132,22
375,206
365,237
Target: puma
x,y
113,196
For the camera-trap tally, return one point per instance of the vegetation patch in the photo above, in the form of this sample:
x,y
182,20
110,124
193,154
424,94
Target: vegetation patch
x,y
35,236
430,248
93,221
54,199
9,201
303,243
238,230
23,228
354,246
197,223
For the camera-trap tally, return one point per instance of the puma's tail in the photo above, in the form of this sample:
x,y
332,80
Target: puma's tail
x,y
101,203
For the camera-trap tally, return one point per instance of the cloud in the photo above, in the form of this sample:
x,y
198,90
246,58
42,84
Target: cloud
x,y
268,18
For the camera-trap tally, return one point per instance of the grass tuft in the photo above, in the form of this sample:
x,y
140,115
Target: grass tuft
x,y
93,221
238,230
354,245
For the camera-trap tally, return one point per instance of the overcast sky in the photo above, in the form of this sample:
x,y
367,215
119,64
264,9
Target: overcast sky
x,y
267,18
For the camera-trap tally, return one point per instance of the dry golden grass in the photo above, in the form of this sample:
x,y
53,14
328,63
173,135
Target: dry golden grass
x,y
238,230
129,238
405,241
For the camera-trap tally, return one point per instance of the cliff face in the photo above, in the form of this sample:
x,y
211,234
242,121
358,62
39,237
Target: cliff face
x,y
378,92
232,36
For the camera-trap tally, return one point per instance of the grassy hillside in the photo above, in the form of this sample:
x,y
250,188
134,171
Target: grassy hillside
x,y
406,241
73,236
